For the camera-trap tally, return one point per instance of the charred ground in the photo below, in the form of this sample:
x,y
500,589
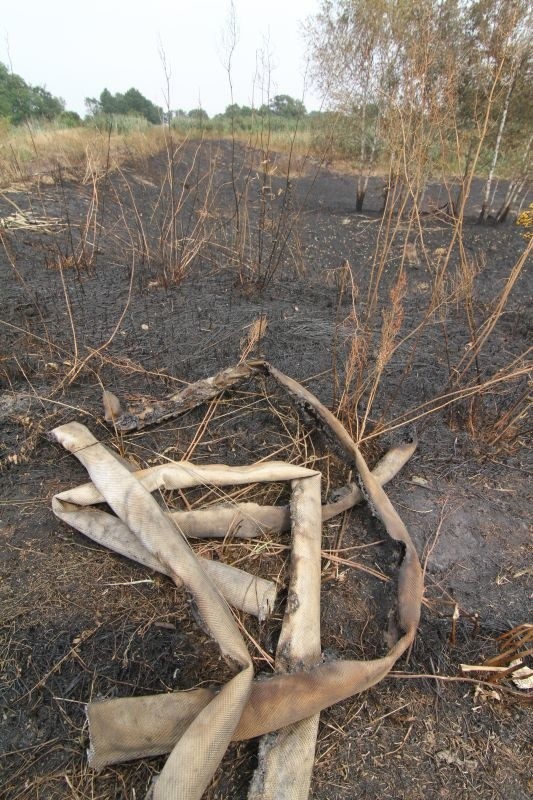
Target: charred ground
x,y
79,622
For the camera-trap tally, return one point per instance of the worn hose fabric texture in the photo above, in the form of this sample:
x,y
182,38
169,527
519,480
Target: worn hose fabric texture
x,y
249,593
240,520
178,403
286,757
195,727
188,768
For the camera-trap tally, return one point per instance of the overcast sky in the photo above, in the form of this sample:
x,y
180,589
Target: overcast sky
x,y
76,49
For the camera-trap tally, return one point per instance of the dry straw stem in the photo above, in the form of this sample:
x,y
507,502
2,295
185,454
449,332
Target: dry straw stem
x,y
516,647
186,723
256,331
181,219
390,329
526,698
80,364
410,163
488,325
505,376
360,377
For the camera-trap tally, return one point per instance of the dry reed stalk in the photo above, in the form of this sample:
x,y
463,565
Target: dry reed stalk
x,y
447,399
390,329
256,331
488,325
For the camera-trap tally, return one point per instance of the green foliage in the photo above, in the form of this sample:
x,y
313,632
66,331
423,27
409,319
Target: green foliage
x,y
344,134
131,103
283,113
69,119
5,128
198,114
283,105
235,110
449,77
19,101
118,123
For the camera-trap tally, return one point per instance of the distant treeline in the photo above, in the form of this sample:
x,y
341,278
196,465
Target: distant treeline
x,y
20,102
283,109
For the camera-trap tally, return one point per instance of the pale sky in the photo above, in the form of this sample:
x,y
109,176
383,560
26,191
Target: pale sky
x,y
76,49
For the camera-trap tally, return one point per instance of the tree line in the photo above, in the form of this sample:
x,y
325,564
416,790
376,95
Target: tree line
x,y
20,102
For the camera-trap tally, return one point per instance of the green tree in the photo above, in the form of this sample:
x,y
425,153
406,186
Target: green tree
x,y
235,110
92,104
439,81
496,89
70,119
283,105
44,104
198,114
111,104
352,52
131,103
135,102
19,101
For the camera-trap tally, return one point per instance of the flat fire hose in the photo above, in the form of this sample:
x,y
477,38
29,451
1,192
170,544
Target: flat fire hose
x,y
195,727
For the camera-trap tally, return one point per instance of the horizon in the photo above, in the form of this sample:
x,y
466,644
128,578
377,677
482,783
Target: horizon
x,y
58,52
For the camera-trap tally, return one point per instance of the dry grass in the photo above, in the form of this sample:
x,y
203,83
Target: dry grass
x,y
495,402
256,331
37,155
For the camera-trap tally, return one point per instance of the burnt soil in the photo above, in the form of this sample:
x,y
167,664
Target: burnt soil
x,y
79,623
